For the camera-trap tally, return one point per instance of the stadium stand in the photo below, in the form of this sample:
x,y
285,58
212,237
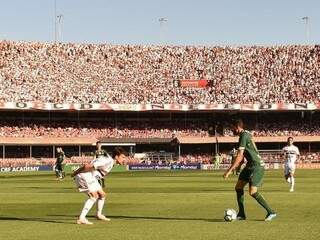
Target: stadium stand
x,y
44,72
141,129
122,74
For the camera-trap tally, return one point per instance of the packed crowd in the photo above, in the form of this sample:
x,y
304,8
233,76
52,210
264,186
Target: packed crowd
x,y
102,129
127,129
92,73
282,127
195,158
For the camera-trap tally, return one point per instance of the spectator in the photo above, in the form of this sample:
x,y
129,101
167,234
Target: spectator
x,y
44,72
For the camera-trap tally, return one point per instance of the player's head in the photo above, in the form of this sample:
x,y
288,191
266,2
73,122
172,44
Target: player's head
x,y
236,126
119,155
98,145
290,141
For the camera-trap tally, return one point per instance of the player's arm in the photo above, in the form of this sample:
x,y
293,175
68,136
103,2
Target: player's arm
x,y
84,168
244,139
237,161
284,154
298,155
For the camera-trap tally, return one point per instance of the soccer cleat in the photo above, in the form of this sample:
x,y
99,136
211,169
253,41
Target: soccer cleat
x,y
240,218
84,221
270,216
103,218
291,190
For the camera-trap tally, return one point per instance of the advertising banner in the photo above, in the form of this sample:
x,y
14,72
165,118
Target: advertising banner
x,y
26,168
22,106
164,167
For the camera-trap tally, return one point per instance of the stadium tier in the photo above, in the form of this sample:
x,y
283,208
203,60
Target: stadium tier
x,y
124,74
36,135
154,125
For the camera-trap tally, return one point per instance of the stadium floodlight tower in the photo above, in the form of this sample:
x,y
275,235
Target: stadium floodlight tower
x,y
306,21
60,18
162,21
55,21
57,24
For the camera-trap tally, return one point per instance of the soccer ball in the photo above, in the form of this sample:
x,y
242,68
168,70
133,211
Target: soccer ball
x,y
230,215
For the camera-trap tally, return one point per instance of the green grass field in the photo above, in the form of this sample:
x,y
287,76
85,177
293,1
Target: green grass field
x,y
158,205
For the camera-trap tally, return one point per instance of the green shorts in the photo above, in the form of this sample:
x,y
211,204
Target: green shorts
x,y
252,175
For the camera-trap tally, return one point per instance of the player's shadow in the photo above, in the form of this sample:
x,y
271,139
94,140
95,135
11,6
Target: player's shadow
x,y
165,218
33,219
151,218
47,187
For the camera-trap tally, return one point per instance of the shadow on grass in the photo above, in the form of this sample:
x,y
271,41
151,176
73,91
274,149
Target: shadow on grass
x,y
166,218
48,187
149,218
157,218
33,220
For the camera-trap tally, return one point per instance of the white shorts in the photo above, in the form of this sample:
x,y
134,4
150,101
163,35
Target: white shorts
x,y
86,182
289,168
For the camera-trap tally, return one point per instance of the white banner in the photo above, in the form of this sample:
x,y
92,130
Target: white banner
x,y
157,107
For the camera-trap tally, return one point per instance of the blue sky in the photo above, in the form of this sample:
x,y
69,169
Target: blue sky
x,y
189,22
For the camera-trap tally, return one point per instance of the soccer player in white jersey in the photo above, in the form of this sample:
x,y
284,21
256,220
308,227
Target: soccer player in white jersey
x,y
291,155
86,178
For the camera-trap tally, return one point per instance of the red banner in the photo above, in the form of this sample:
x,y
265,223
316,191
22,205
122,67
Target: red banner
x,y
201,83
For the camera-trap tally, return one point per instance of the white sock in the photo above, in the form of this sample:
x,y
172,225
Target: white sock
x,y
100,204
87,206
289,180
292,182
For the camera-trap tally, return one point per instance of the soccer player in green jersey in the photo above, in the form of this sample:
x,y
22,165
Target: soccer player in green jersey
x,y
252,173
58,165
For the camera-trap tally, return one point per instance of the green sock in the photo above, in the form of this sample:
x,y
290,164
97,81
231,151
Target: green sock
x,y
260,199
240,200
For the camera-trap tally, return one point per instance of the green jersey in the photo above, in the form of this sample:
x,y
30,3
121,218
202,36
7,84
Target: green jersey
x,y
60,157
100,153
250,150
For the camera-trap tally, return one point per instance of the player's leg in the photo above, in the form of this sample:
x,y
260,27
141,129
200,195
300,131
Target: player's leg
x,y
242,181
240,199
291,176
63,174
86,208
253,191
56,171
59,167
287,173
255,182
100,205
88,184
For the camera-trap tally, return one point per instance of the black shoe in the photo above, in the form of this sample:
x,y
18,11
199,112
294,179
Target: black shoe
x,y
240,217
